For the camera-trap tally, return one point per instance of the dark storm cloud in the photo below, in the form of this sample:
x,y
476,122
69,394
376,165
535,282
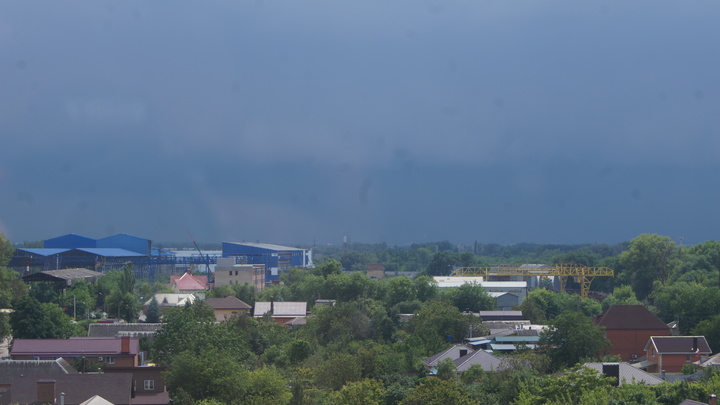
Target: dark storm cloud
x,y
388,121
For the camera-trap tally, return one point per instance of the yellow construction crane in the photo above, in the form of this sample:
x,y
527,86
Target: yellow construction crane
x,y
583,275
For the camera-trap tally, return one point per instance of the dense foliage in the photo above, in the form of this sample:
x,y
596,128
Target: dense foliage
x,y
359,351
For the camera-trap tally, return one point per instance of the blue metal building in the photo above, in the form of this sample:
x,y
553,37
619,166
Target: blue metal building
x,y
77,251
277,259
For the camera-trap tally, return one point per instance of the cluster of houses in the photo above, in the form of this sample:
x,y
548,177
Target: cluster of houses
x,y
643,342
108,367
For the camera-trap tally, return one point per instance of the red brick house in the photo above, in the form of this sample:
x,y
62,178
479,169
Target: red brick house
x,y
628,327
148,384
671,353
109,352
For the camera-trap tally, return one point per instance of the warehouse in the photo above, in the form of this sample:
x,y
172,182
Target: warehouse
x,y
102,255
277,259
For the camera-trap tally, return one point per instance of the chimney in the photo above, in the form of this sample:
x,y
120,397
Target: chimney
x,y
463,352
125,344
713,400
612,370
695,344
46,391
272,306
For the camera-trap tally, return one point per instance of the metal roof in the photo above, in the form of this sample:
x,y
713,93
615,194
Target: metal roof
x,y
507,347
505,339
265,246
110,252
629,374
69,347
281,308
43,251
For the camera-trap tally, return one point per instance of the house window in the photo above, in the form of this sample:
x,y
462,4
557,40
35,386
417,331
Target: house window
x,y
230,272
236,272
149,385
687,357
111,360
37,357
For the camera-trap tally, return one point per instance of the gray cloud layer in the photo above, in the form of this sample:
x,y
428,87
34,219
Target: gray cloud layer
x,y
387,121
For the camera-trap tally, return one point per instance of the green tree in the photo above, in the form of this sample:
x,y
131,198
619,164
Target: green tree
x,y
127,279
687,303
710,328
153,313
338,370
437,323
266,386
433,391
426,288
400,289
6,250
623,295
12,287
78,299
446,369
328,268
649,257
471,297
208,374
571,337
33,320
363,392
5,328
184,329
442,264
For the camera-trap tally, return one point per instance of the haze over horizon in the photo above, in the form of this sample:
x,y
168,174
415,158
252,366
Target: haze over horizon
x,y
399,122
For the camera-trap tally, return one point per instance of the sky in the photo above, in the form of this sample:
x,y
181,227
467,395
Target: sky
x,y
403,121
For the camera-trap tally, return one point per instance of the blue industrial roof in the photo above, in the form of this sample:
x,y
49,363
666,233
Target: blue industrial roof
x,y
43,251
124,234
110,252
268,246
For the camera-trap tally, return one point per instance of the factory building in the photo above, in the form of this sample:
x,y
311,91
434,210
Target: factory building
x,y
276,259
102,255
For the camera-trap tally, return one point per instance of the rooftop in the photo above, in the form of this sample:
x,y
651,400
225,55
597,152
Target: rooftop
x,y
70,347
629,317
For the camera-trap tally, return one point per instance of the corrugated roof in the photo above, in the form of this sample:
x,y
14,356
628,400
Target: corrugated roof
x,y
630,317
112,330
281,308
265,246
629,374
73,274
230,302
171,299
508,347
43,251
75,346
110,252
508,339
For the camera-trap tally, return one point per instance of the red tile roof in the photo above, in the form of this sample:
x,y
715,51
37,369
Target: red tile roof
x,y
188,282
72,347
629,317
